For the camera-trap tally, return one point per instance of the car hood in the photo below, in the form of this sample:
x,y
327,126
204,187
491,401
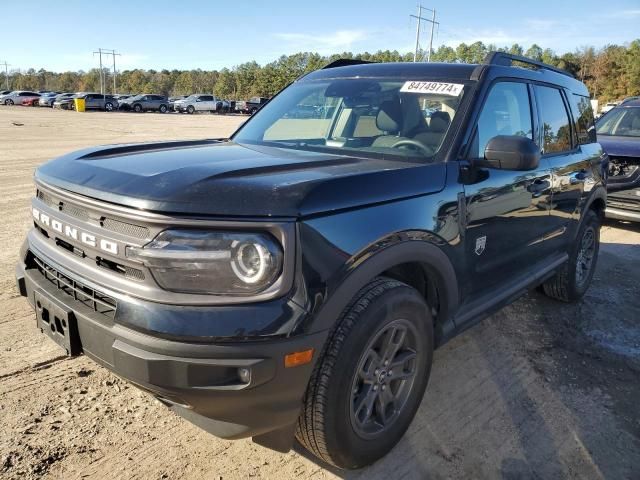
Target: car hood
x,y
223,178
620,146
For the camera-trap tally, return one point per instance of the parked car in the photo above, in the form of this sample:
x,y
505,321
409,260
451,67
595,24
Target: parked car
x,y
619,134
18,97
295,278
252,105
64,101
4,92
608,106
201,103
99,101
30,102
173,100
145,103
47,99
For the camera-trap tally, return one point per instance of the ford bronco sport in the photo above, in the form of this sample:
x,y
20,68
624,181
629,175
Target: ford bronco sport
x,y
294,279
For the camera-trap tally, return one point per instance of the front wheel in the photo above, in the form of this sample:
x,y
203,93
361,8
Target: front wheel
x,y
370,379
108,107
571,282
137,108
190,109
8,102
162,109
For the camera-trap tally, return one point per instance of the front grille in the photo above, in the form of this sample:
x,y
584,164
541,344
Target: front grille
x,y
129,229
125,228
97,301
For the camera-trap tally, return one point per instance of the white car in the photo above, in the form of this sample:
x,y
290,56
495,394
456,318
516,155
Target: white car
x,y
608,107
201,103
17,97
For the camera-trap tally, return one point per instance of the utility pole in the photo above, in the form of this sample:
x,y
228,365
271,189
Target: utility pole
x,y
420,19
107,51
6,74
113,54
99,52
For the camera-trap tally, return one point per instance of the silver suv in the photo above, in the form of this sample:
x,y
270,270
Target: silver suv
x,y
145,103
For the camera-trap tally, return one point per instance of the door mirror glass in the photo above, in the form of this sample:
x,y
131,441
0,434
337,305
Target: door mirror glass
x,y
510,152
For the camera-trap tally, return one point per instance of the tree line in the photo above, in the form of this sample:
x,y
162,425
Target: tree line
x,y
610,73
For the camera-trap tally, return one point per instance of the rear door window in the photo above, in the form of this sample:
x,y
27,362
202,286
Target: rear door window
x,y
554,121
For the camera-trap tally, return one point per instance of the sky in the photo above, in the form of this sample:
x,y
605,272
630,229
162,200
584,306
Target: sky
x,y
62,35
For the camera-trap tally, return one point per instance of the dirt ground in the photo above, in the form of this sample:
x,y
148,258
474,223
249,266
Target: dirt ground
x,y
539,390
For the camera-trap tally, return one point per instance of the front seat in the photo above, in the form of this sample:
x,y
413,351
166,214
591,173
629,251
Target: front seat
x,y
389,120
437,128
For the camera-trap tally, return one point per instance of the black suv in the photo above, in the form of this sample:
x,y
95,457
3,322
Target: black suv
x,y
295,278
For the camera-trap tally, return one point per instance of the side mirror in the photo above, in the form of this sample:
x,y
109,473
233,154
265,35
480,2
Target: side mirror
x,y
510,152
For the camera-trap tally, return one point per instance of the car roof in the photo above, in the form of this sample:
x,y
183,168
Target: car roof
x,y
450,71
630,103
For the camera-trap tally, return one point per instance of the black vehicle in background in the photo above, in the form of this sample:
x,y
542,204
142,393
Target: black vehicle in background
x,y
251,106
295,278
619,134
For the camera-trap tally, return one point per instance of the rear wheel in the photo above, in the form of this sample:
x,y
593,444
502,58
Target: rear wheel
x,y
571,282
367,386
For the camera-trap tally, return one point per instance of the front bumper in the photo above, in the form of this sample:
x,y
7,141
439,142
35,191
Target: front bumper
x,y
198,380
624,205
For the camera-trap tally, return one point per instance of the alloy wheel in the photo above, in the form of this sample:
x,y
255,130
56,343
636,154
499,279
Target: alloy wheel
x,y
383,379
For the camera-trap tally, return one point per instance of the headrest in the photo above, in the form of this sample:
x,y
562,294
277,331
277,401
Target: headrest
x,y
439,122
635,124
389,118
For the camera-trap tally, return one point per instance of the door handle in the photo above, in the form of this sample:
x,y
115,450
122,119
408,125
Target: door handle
x,y
578,177
538,186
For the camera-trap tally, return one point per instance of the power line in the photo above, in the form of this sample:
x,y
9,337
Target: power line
x,y
420,19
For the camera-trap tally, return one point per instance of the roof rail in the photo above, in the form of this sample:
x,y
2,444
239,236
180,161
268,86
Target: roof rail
x,y
344,62
507,59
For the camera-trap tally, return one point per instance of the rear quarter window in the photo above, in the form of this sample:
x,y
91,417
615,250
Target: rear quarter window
x,y
583,119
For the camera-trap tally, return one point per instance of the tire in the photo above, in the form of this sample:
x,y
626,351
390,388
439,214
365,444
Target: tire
x,y
191,109
253,110
137,108
572,281
162,109
352,373
8,101
108,107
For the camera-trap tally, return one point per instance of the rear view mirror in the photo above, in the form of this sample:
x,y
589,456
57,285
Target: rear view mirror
x,y
511,152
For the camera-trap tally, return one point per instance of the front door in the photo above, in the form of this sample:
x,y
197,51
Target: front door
x,y
507,211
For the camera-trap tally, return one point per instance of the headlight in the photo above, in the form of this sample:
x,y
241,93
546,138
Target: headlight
x,y
206,262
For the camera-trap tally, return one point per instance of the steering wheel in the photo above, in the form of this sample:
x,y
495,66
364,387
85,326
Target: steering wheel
x,y
407,142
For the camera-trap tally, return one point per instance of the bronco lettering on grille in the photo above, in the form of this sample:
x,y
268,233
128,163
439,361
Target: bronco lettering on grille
x,y
74,233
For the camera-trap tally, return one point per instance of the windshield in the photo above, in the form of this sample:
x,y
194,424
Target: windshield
x,y
623,122
370,117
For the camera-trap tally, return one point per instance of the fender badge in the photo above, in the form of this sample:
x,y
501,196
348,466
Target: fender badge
x,y
481,243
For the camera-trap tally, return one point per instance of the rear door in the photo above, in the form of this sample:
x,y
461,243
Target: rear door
x,y
206,103
570,165
507,211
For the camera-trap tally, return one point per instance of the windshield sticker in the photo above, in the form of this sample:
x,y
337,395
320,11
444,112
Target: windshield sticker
x,y
453,89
